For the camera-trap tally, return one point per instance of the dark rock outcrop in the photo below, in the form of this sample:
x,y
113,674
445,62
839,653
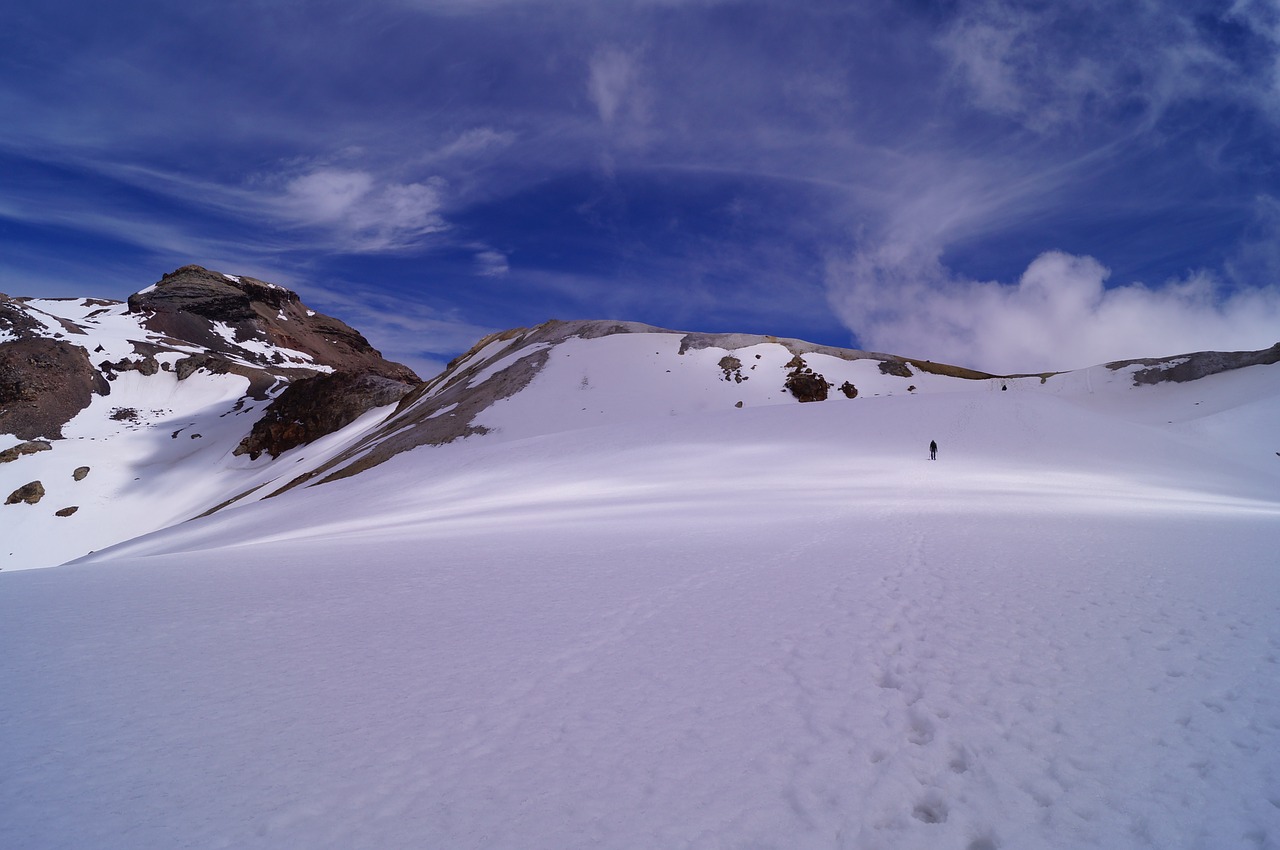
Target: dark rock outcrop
x,y
80,473
43,383
147,365
29,493
66,511
808,386
895,367
185,304
313,407
805,384
188,366
1192,367
28,448
731,367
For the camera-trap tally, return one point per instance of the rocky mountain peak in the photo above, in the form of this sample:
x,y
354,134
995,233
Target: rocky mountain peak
x,y
228,314
221,297
56,354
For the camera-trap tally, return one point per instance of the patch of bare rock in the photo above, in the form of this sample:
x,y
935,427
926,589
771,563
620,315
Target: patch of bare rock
x,y
28,448
29,493
313,407
43,384
805,384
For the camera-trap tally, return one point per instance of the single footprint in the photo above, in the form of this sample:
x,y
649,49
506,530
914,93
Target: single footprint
x,y
930,810
922,729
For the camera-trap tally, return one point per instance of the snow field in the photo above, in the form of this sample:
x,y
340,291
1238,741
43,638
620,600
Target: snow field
x,y
769,627
171,463
685,626
861,679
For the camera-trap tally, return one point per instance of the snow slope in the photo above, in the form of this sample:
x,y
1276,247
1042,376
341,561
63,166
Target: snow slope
x,y
158,449
609,625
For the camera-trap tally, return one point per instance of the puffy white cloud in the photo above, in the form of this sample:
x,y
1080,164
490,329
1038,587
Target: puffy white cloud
x,y
364,213
1059,314
326,195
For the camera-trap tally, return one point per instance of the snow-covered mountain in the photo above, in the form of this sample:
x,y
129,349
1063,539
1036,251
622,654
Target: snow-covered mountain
x,y
121,418
126,418
606,585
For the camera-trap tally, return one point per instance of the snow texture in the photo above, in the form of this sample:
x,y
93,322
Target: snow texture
x,y
635,615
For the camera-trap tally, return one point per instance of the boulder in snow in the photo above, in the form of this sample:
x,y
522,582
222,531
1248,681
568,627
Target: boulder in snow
x,y
29,493
28,448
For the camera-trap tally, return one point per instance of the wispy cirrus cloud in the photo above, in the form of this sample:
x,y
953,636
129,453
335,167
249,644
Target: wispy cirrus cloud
x,y
613,83
1059,66
475,142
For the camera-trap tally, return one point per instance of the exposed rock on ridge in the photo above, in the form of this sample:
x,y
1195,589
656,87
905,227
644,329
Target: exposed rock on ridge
x,y
313,407
1192,367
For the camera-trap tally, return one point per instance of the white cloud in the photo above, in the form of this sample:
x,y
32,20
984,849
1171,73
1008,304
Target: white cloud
x,y
1262,18
1059,315
612,83
475,142
490,263
1050,66
364,213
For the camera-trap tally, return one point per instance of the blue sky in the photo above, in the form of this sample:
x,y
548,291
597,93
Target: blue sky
x,y
1005,185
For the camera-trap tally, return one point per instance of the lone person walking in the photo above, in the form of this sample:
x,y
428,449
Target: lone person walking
x,y
933,450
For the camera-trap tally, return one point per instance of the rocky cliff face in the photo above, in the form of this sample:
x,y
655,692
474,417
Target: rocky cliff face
x,y
43,383
313,407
